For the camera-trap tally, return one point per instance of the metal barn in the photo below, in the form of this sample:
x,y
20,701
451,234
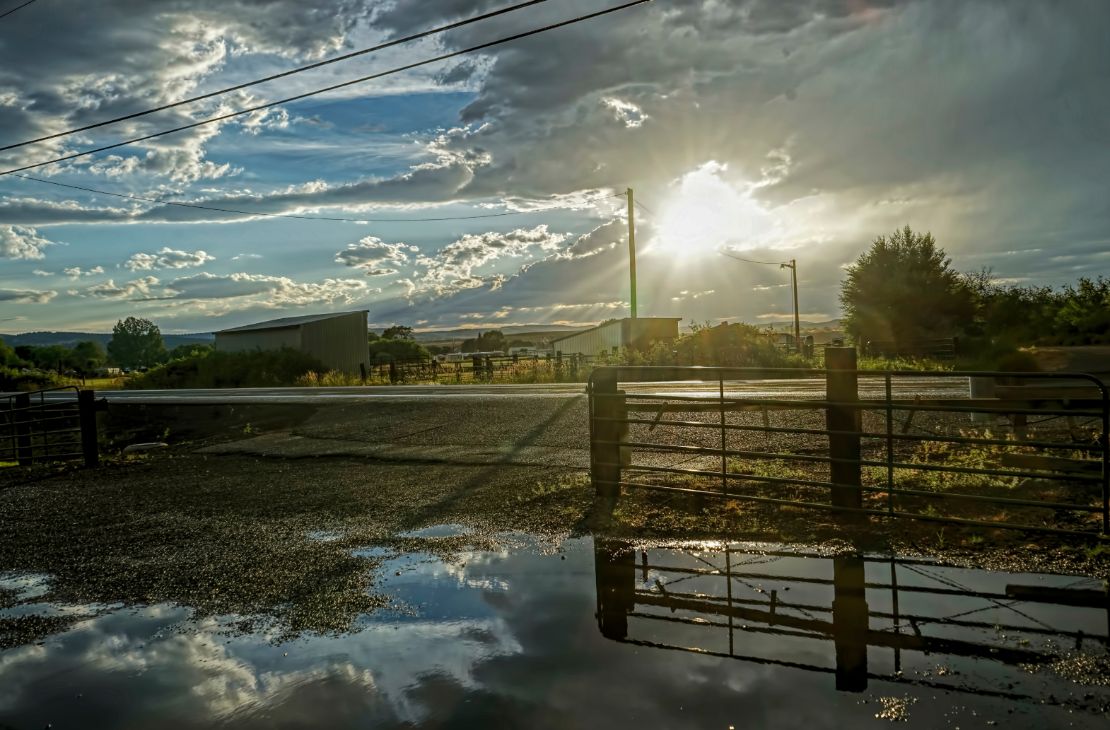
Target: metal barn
x,y
337,340
609,337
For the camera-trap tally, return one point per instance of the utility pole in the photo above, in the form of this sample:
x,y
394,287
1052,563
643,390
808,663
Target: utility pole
x,y
793,266
632,251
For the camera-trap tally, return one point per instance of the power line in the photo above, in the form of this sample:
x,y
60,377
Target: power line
x,y
17,7
333,87
752,261
283,74
273,215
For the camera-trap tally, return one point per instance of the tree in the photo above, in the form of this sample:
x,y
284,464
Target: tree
x,y
396,350
903,290
397,332
491,341
87,356
8,356
188,350
136,343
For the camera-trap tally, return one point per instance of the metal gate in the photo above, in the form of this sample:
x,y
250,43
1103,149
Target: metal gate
x,y
55,424
1030,455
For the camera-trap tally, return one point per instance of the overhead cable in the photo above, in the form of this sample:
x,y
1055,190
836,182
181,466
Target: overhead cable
x,y
333,87
283,74
17,7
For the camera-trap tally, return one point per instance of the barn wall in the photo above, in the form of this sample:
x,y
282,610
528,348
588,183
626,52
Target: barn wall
x,y
271,339
592,342
338,342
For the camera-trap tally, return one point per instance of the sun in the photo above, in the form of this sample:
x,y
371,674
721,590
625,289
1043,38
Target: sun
x,y
705,213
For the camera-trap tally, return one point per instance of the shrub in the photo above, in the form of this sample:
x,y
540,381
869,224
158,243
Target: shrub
x,y
256,369
23,380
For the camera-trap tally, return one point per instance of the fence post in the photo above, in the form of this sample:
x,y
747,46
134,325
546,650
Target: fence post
x,y
21,416
606,402
86,410
841,386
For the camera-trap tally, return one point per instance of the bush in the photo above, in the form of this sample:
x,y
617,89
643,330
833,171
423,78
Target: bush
x,y
726,345
23,380
257,369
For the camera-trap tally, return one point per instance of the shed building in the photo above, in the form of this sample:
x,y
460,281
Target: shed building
x,y
612,336
337,340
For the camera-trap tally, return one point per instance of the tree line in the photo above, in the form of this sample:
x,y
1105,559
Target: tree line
x,y
904,290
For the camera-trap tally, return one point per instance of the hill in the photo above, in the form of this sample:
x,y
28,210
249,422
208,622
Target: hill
x,y
69,339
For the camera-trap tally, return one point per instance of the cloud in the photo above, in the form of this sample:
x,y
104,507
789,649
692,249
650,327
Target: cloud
x,y
269,291
625,112
371,254
167,258
76,272
455,267
140,288
22,242
26,296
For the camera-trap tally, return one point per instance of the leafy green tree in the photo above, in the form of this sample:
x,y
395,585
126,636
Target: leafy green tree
x,y
189,350
8,356
87,356
397,332
486,342
136,343
903,290
47,357
396,350
1084,314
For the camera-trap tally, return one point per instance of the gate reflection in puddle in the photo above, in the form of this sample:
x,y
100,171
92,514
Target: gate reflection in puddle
x,y
857,617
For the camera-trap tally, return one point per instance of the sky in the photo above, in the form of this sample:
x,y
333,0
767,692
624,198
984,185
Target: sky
x,y
772,130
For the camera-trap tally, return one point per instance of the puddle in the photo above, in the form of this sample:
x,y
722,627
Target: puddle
x,y
448,530
604,635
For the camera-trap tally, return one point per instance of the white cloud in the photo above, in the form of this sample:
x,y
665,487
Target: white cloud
x,y
22,242
629,114
167,258
374,256
26,296
455,267
76,272
268,291
136,289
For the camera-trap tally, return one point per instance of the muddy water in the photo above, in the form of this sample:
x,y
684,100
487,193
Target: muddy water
x,y
585,635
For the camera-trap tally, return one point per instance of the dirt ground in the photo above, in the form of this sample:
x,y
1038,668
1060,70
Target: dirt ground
x,y
263,531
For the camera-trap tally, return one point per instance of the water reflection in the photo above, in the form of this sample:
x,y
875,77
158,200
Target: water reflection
x,y
705,636
714,601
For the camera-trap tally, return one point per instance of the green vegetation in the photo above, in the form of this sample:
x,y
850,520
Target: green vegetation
x,y
725,345
396,344
903,290
259,369
136,343
492,341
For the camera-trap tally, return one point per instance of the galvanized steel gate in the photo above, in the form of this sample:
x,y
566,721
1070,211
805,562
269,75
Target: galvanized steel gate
x,y
871,445
55,424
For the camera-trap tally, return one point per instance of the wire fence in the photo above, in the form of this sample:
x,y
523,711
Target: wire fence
x,y
55,424
882,617
873,444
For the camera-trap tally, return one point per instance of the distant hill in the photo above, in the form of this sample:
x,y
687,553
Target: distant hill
x,y
69,339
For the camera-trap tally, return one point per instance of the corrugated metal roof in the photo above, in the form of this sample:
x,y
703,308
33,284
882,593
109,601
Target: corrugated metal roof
x,y
274,324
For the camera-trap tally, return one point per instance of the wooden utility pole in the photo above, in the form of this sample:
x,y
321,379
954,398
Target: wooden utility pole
x,y
793,266
632,251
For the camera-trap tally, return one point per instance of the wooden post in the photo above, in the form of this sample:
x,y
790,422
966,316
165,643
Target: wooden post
x,y
605,452
86,408
21,416
850,623
615,573
841,386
